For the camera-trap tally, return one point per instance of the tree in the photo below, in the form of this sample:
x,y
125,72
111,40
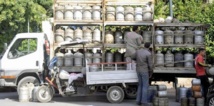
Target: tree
x,y
15,14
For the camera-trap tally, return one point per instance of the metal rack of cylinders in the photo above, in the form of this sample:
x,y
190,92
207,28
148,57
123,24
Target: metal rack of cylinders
x,y
174,60
176,35
129,13
78,12
68,33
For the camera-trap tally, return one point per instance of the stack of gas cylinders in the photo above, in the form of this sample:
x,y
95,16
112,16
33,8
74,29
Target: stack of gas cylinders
x,y
191,96
161,98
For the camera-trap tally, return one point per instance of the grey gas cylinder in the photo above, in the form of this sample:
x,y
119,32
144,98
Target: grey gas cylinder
x,y
78,59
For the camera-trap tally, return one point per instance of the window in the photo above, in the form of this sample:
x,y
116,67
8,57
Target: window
x,y
22,47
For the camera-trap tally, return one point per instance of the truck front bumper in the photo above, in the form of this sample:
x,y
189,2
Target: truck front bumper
x,y
4,83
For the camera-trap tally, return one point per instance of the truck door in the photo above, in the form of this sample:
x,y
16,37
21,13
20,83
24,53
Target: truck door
x,y
24,54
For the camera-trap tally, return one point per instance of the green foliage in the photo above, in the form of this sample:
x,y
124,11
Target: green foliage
x,y
15,14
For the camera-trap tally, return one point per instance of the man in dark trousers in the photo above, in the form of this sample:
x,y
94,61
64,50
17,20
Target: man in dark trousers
x,y
201,72
144,71
133,41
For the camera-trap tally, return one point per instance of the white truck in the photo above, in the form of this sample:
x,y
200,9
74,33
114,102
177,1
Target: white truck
x,y
23,60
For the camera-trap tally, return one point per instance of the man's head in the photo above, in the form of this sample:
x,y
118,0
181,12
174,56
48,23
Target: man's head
x,y
147,45
202,51
135,28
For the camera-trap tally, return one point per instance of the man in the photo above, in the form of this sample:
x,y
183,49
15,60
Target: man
x,y
133,41
144,71
201,72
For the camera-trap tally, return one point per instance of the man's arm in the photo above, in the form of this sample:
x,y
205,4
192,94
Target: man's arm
x,y
139,41
150,64
201,62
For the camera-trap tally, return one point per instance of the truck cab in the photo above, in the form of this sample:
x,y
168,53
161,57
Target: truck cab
x,y
23,60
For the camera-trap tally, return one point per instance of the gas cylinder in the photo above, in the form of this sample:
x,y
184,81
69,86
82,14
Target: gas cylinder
x,y
184,101
68,12
183,92
197,94
69,34
163,102
77,13
159,58
196,81
200,102
59,12
196,88
162,87
120,9
169,36
23,94
138,17
187,57
87,34
78,59
159,36
210,71
78,33
177,93
129,10
147,36
179,57
96,35
97,57
30,87
60,57
155,101
147,15
68,61
59,35
87,13
138,14
191,101
109,57
199,37
110,13
118,57
118,36
178,37
96,15
109,38
162,93
120,16
169,58
120,13
129,17
129,13
88,56
188,37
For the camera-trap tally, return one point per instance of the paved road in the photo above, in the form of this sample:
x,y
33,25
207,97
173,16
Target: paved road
x,y
11,99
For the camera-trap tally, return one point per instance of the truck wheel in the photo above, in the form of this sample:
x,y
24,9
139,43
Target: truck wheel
x,y
210,100
25,80
44,94
115,94
131,92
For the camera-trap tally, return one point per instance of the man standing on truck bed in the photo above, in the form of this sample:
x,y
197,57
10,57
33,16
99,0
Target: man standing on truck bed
x,y
144,71
201,72
133,41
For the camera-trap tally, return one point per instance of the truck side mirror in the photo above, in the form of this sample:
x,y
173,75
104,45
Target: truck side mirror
x,y
5,46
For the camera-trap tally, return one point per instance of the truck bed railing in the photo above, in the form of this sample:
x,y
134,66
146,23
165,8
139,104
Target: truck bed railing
x,y
109,63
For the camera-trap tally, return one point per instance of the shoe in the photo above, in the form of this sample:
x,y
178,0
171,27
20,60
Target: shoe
x,y
138,103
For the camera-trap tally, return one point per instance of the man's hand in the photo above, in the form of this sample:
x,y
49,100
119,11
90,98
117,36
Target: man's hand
x,y
150,74
209,65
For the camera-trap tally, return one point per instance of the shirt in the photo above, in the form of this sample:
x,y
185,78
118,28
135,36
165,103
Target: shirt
x,y
143,60
133,41
200,70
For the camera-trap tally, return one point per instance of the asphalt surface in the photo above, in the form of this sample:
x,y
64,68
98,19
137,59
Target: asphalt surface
x,y
11,99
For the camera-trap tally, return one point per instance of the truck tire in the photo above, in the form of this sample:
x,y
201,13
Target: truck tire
x,y
131,92
25,80
115,94
44,94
